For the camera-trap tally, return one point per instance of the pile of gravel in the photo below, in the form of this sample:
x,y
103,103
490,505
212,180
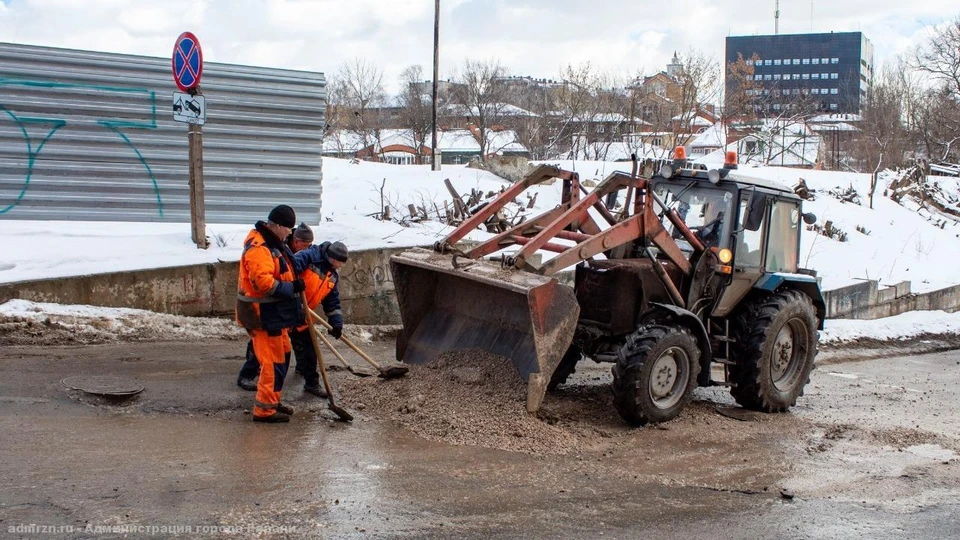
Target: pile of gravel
x,y
474,398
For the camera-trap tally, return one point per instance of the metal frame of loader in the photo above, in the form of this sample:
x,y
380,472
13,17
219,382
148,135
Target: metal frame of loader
x,y
627,242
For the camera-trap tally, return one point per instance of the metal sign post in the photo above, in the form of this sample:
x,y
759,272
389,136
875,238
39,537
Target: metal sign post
x,y
187,64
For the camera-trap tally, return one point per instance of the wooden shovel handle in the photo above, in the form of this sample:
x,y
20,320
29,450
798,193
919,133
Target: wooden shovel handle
x,y
314,335
345,340
333,349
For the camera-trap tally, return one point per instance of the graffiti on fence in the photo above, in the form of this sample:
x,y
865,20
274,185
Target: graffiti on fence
x,y
113,125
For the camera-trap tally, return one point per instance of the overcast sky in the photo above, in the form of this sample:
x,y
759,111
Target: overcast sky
x,y
529,37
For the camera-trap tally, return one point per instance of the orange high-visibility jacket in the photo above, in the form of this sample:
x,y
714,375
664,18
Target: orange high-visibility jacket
x,y
317,287
261,271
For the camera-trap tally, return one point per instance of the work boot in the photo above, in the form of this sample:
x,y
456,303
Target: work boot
x,y
247,384
318,391
285,409
275,418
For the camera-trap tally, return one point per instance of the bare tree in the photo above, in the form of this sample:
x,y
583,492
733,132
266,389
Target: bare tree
x,y
883,140
534,130
701,82
481,94
939,56
606,118
740,101
574,101
415,108
934,113
357,92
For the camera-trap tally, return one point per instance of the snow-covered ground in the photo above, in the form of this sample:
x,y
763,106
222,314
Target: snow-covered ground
x,y
88,324
898,242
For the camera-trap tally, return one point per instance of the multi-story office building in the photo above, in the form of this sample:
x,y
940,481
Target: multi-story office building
x,y
830,72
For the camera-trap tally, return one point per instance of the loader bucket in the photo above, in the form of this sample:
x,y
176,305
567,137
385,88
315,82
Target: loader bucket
x,y
525,317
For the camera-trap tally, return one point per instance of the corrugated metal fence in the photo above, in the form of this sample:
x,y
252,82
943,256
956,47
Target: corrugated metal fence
x,y
90,136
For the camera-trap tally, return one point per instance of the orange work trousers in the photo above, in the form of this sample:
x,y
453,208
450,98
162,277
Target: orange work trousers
x,y
273,353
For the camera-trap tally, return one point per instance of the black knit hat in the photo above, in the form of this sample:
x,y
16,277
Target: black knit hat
x,y
338,251
303,232
284,216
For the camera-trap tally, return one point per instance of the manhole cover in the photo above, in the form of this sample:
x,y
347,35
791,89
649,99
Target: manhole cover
x,y
103,386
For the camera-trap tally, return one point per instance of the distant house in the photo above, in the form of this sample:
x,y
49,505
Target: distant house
x,y
710,140
397,146
764,142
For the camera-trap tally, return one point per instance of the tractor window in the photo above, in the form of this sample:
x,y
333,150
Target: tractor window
x,y
705,210
749,252
783,247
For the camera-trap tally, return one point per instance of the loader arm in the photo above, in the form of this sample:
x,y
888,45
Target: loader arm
x,y
539,175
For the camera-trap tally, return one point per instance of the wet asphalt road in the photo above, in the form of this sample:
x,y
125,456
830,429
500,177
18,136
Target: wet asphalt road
x,y
870,452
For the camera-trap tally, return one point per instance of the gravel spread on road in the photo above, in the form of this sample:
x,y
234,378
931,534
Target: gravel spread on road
x,y
474,398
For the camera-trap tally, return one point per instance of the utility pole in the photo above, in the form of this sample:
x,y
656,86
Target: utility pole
x,y
434,163
776,18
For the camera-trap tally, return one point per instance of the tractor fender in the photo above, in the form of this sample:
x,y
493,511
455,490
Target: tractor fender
x,y
806,284
691,321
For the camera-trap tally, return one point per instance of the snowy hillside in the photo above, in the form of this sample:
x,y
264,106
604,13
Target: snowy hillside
x,y
896,242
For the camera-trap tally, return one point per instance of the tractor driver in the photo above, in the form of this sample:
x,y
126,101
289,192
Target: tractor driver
x,y
709,232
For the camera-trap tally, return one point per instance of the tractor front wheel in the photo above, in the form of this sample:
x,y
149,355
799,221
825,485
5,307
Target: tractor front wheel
x,y
776,342
655,374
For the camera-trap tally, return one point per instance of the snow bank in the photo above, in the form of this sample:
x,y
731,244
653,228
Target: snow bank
x,y
23,322
899,327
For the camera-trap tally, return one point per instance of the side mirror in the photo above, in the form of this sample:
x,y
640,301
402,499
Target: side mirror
x,y
809,218
756,210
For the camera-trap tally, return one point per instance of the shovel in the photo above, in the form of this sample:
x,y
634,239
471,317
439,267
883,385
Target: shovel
x,y
339,411
391,370
359,372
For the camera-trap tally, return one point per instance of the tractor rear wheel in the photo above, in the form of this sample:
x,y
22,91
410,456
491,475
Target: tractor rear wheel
x,y
655,373
776,342
566,368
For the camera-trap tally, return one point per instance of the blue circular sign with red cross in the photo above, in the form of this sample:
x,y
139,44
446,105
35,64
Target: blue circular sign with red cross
x,y
187,62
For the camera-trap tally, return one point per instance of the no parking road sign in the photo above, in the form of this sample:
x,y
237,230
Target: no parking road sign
x,y
187,62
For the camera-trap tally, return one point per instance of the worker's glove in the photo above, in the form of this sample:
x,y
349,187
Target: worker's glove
x,y
298,286
336,332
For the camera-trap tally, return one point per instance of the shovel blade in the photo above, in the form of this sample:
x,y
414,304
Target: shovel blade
x,y
393,370
525,317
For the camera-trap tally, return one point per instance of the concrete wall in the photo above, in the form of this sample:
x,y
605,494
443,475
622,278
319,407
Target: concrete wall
x,y
366,289
868,301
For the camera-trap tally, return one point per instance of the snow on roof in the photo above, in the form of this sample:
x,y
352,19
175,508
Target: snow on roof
x,y
834,118
693,118
498,109
713,137
839,126
348,142
455,140
504,141
341,141
618,151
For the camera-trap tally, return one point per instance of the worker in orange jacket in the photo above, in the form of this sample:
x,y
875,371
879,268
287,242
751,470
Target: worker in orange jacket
x,y
321,278
301,238
268,304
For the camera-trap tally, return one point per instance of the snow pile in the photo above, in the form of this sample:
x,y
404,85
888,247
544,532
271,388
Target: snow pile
x,y
899,327
24,323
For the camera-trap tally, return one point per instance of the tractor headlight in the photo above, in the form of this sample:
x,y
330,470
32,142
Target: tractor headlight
x,y
725,256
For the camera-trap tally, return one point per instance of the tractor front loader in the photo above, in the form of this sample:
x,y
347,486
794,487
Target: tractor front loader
x,y
657,290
